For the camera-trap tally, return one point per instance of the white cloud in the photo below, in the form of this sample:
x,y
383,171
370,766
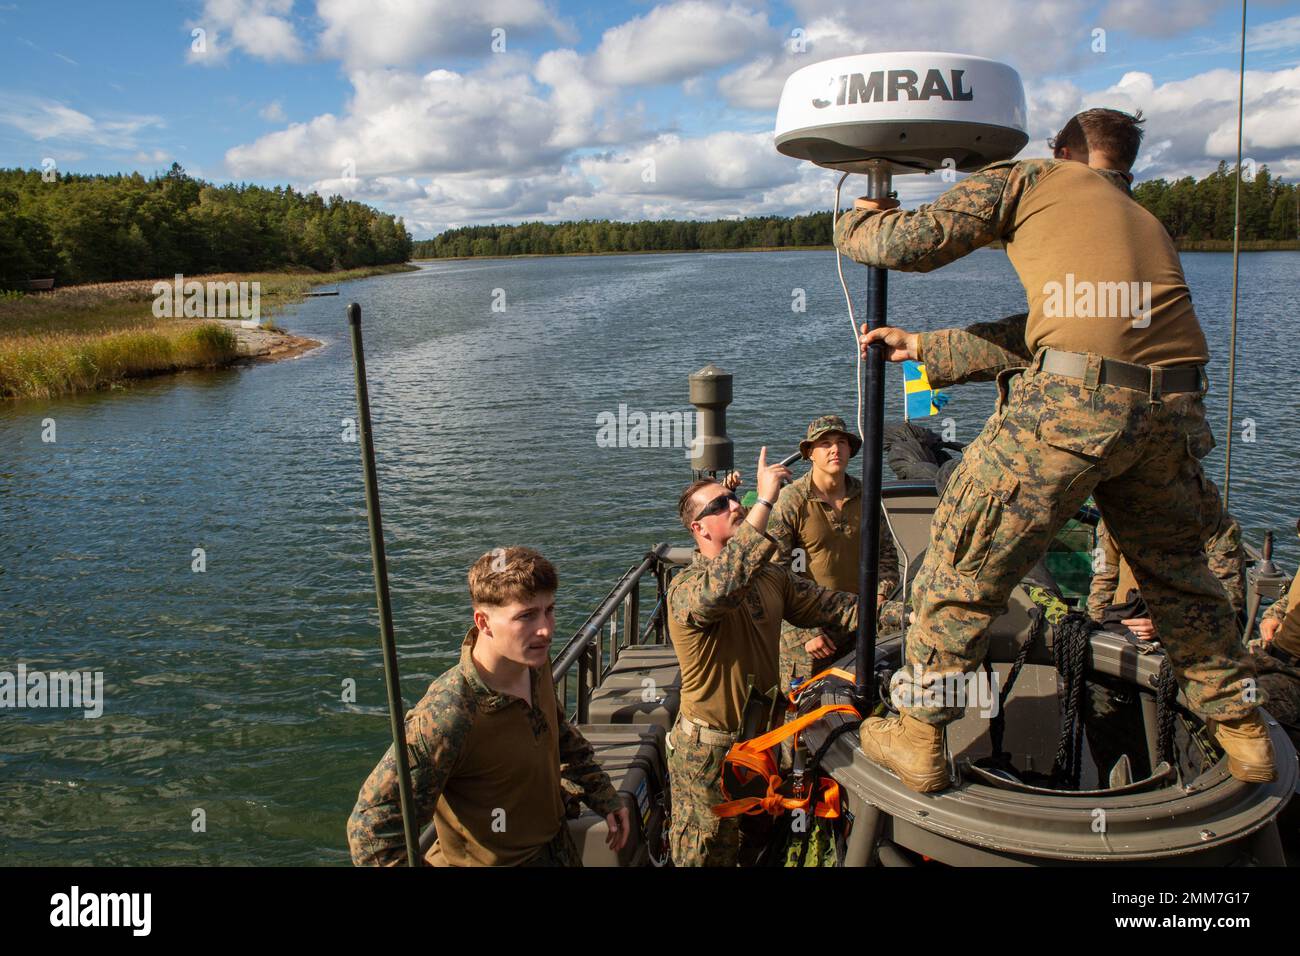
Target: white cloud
x,y
1037,37
379,33
675,41
757,85
575,100
260,28
44,119
499,120
720,166
554,139
272,112
1191,124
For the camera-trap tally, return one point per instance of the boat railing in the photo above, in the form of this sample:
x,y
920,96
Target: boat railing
x,y
594,649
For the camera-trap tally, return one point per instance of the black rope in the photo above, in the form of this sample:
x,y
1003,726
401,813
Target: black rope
x,y
1070,652
1166,695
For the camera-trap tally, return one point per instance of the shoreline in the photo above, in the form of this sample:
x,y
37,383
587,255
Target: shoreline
x,y
267,344
1184,245
103,335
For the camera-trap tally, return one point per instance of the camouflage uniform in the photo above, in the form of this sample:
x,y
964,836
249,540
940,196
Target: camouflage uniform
x,y
458,715
1279,676
724,617
697,837
832,540
1053,440
1223,550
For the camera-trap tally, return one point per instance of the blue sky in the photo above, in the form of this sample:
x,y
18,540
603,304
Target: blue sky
x,y
406,105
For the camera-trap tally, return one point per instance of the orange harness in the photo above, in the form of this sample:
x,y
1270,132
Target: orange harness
x,y
751,766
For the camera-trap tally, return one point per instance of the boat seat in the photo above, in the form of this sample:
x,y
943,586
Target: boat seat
x,y
649,675
635,758
643,655
638,704
642,687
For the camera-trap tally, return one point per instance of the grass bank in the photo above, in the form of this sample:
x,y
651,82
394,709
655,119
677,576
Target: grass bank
x,y
82,338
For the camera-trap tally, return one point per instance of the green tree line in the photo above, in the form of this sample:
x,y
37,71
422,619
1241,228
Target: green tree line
x,y
600,235
1188,209
1204,210
92,228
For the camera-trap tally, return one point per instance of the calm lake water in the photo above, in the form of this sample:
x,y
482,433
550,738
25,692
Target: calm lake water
x,y
223,688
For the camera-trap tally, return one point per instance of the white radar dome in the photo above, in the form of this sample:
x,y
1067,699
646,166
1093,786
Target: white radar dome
x,y
920,111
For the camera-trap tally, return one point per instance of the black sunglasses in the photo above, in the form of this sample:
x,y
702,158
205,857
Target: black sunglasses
x,y
718,505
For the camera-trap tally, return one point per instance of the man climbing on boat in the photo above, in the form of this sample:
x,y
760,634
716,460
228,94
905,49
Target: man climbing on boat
x,y
724,617
816,529
1110,404
489,743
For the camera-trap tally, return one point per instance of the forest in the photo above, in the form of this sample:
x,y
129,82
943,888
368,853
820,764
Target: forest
x,y
93,228
1190,210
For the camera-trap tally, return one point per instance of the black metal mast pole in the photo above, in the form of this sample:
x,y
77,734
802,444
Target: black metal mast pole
x,y
396,717
873,433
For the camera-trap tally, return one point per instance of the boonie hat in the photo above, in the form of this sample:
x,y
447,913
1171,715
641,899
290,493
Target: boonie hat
x,y
824,426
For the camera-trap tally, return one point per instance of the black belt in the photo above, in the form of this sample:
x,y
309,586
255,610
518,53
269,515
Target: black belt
x,y
1154,380
1290,660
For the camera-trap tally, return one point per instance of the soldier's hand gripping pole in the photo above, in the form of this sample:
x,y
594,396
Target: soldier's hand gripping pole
x,y
396,717
872,427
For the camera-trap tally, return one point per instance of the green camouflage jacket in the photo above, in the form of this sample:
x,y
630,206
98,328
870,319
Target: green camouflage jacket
x,y
724,616
975,212
1277,610
436,731
783,528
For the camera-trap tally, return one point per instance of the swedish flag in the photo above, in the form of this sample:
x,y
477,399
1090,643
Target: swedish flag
x,y
919,400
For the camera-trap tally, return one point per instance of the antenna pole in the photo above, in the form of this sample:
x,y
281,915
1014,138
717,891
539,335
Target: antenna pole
x,y
872,429
1236,254
392,681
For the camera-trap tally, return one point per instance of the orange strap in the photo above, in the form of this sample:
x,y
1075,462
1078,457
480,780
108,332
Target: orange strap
x,y
829,672
827,805
753,758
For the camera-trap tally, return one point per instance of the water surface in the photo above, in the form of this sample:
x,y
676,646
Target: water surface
x,y
224,688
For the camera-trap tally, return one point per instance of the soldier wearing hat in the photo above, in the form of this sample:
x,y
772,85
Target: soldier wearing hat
x,y
816,529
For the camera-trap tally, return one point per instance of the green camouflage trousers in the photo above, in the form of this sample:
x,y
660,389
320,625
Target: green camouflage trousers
x,y
697,837
1052,442
561,851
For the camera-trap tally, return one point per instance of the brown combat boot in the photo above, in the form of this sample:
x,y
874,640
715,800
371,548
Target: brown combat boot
x,y
909,747
1249,749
